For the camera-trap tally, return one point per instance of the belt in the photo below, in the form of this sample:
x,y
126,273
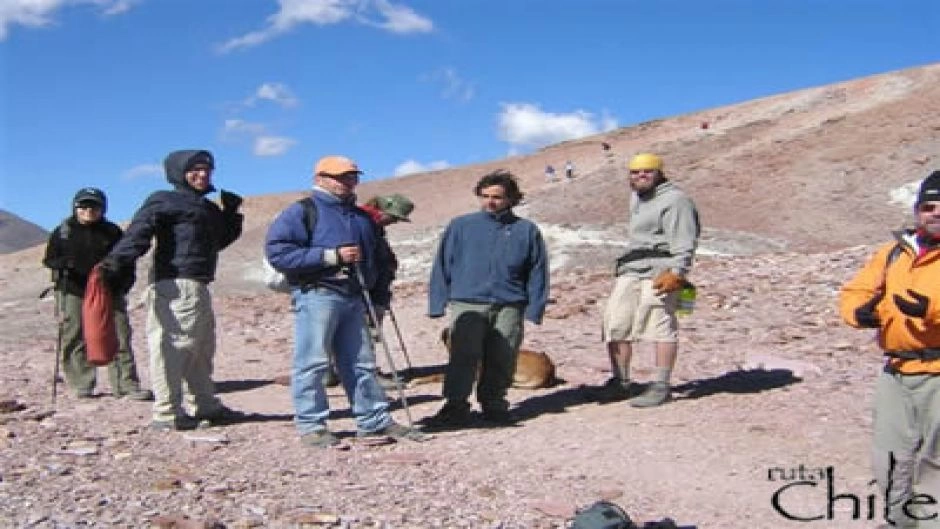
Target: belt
x,y
916,354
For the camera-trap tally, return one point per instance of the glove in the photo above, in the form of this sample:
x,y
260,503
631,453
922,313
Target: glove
x,y
914,309
230,201
110,273
865,315
667,282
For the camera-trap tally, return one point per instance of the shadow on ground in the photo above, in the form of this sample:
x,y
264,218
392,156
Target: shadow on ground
x,y
232,386
738,381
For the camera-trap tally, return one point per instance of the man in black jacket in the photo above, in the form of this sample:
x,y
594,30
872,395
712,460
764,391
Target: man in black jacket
x,y
190,231
74,247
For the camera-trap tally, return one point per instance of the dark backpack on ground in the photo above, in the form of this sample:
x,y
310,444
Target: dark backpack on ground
x,y
602,515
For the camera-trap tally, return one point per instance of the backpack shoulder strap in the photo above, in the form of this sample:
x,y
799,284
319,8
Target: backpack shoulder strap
x,y
65,230
893,255
310,215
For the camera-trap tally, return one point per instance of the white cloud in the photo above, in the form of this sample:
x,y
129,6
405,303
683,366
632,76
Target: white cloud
x,y
292,13
526,125
414,166
240,127
401,19
39,13
276,93
454,86
272,145
145,170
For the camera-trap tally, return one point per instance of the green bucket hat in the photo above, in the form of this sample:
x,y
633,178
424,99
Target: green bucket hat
x,y
397,206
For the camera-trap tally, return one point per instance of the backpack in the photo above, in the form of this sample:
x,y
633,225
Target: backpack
x,y
275,280
602,515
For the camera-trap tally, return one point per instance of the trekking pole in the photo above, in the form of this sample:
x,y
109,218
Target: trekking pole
x,y
58,311
401,341
388,354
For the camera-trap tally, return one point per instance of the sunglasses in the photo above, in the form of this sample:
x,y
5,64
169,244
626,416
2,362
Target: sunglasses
x,y
642,171
88,205
927,208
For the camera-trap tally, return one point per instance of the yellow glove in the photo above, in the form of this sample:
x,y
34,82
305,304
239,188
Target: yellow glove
x,y
668,281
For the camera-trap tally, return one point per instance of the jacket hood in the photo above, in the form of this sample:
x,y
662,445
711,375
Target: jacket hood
x,y
177,162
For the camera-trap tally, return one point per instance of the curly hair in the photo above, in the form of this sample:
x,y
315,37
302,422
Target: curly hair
x,y
504,179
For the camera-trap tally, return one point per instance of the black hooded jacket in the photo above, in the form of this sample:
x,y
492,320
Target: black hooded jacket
x,y
190,229
74,248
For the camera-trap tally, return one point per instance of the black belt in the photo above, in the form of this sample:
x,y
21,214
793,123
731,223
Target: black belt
x,y
633,255
915,354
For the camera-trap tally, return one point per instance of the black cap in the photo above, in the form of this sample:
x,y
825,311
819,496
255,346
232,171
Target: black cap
x,y
200,157
90,194
929,188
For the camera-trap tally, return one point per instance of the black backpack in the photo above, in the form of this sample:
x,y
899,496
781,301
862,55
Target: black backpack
x,y
602,515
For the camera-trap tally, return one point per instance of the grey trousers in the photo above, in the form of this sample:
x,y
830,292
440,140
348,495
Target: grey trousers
x,y
906,448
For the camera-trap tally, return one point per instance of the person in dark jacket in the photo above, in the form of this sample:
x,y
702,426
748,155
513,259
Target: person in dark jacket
x,y
74,248
329,271
190,231
491,271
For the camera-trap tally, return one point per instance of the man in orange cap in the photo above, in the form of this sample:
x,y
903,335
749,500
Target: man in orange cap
x,y
663,235
324,269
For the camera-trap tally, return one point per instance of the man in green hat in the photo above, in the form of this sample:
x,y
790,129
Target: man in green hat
x,y
385,210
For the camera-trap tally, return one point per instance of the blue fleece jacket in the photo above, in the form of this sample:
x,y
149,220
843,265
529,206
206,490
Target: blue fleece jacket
x,y
339,222
490,258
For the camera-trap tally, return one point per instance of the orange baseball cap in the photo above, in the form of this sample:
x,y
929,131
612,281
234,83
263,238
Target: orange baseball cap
x,y
335,166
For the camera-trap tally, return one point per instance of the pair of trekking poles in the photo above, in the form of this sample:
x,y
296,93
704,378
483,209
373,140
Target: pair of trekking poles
x,y
381,334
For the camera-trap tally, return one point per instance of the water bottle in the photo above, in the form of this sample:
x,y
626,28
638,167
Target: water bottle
x,y
686,300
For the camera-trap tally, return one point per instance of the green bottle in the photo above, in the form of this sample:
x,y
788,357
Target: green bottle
x,y
686,300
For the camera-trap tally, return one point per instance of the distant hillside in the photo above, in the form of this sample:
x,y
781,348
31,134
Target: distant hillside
x,y
17,234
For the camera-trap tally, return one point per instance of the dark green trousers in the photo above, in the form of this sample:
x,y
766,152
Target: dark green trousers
x,y
488,336
79,374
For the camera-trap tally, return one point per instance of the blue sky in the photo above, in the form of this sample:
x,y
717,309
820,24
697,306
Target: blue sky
x,y
97,92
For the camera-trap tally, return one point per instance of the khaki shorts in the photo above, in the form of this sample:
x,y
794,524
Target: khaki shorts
x,y
634,312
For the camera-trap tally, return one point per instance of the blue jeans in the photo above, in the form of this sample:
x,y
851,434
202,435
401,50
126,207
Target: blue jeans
x,y
326,321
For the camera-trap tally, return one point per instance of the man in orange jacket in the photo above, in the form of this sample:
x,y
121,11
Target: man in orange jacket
x,y
898,293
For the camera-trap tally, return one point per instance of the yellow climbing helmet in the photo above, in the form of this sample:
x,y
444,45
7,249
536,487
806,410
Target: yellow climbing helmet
x,y
645,160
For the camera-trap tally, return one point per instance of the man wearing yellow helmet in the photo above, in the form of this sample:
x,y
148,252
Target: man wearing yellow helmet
x,y
663,234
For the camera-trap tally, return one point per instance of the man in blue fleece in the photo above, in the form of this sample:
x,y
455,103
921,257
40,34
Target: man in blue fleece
x,y
491,271
324,269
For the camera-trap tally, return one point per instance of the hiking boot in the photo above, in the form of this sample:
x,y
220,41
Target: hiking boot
x,y
223,416
394,431
656,394
321,438
613,390
179,424
136,394
499,417
451,416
